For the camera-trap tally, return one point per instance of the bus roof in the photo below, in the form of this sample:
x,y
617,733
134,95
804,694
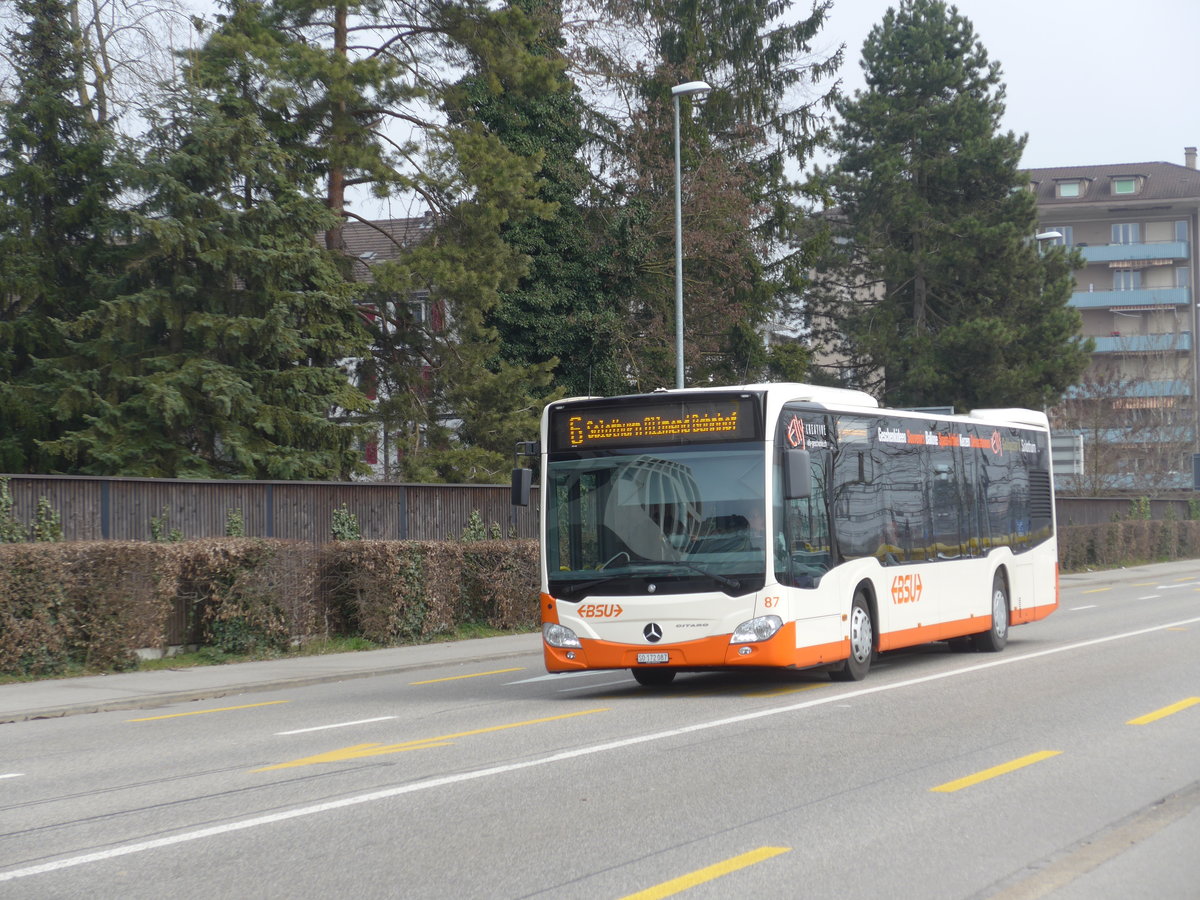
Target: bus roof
x,y
842,398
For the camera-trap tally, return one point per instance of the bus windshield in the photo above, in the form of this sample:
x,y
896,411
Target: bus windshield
x,y
682,518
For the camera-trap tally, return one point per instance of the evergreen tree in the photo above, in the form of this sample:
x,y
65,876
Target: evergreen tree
x,y
448,397
57,189
334,75
936,293
741,211
217,353
565,307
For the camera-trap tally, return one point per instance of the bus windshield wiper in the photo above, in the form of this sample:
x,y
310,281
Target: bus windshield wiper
x,y
725,581
720,579
631,571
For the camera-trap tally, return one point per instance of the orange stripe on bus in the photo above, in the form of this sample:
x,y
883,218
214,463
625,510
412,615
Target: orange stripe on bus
x,y
705,653
549,610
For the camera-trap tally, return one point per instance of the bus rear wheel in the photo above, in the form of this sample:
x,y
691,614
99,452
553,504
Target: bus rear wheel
x,y
653,677
994,639
862,642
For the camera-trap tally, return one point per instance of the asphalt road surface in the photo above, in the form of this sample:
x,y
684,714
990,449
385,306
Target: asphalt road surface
x,y
1067,766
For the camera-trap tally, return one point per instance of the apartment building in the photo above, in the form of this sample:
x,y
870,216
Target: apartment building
x,y
1135,409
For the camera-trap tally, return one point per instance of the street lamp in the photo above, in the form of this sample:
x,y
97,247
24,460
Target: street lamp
x,y
1047,237
690,87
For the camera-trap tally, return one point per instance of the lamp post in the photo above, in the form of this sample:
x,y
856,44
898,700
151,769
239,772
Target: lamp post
x,y
1047,237
690,87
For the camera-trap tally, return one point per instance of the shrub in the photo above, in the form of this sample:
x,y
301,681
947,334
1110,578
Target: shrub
x,y
93,604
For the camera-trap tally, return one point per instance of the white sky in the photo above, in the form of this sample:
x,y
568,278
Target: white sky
x,y
1091,82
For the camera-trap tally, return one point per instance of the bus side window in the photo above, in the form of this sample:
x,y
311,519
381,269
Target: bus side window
x,y
805,553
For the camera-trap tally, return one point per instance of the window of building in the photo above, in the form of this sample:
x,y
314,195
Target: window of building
x,y
1127,233
1183,277
1068,188
1067,232
1127,279
1124,185
1181,230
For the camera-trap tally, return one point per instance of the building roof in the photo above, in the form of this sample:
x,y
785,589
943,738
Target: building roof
x,y
383,240
1161,181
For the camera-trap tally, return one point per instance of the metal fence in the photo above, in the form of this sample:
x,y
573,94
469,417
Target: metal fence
x,y
131,508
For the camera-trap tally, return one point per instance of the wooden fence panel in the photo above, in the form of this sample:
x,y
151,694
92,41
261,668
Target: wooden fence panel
x,y
124,508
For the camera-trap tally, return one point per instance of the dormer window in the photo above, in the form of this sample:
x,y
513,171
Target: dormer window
x,y
1126,185
1070,188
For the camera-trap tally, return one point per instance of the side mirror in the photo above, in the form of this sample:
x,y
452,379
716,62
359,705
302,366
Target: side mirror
x,y
797,474
522,479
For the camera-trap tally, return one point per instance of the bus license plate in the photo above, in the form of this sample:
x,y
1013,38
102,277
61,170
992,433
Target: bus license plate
x,y
652,657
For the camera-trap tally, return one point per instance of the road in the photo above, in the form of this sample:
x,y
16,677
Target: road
x,y
1067,766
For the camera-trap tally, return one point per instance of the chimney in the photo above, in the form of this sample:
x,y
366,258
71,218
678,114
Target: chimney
x,y
1189,157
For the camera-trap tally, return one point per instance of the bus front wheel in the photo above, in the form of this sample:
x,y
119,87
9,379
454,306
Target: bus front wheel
x,y
653,677
994,639
862,642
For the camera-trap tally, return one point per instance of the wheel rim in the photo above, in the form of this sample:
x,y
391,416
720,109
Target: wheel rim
x,y
999,611
860,634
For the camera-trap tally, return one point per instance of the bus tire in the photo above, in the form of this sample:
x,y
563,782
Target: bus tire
x,y
653,677
862,642
994,639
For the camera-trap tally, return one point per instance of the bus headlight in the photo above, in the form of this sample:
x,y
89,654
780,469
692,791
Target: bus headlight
x,y
760,629
559,636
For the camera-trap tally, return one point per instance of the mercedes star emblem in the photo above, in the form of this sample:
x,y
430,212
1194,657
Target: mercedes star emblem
x,y
653,633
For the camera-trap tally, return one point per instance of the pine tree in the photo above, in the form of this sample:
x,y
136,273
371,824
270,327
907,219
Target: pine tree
x,y
741,210
217,353
448,396
57,190
564,308
937,293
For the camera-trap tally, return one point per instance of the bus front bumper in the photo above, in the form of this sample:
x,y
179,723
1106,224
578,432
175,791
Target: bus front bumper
x,y
714,652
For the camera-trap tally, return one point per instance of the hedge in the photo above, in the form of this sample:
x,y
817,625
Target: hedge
x,y
96,603
1127,543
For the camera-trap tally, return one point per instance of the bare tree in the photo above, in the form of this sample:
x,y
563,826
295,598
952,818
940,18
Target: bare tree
x,y
1133,416
128,48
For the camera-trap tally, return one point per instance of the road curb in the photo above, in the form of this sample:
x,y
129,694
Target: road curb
x,y
155,699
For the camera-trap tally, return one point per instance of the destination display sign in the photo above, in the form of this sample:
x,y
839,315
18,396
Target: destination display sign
x,y
685,420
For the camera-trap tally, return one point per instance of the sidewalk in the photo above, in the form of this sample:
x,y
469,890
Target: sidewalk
x,y
144,690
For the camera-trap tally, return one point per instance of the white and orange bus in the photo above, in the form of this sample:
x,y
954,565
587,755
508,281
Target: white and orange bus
x,y
785,525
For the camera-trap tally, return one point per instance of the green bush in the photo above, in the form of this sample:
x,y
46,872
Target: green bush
x,y
90,605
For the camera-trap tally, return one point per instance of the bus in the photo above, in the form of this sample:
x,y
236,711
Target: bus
x,y
785,525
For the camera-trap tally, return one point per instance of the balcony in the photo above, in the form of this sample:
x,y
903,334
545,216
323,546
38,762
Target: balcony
x,y
1174,387
1148,297
1145,343
1107,253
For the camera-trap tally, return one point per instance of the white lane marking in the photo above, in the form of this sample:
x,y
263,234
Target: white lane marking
x,y
462,777
13,775
592,687
1077,608
338,725
1171,587
1150,597
556,676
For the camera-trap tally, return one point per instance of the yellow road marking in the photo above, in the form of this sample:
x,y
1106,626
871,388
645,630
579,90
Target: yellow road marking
x,y
476,675
710,873
1096,590
1164,712
359,751
205,712
951,786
